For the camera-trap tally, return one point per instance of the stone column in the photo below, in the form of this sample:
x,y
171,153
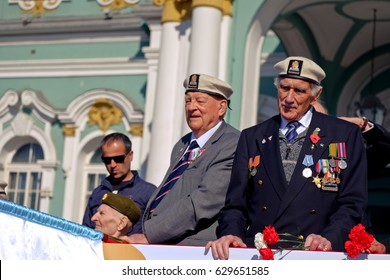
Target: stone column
x,y
169,99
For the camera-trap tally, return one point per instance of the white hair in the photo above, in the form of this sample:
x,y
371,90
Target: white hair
x,y
314,88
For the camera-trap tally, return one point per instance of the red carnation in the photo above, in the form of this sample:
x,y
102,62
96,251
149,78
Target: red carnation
x,y
270,235
352,249
266,254
360,240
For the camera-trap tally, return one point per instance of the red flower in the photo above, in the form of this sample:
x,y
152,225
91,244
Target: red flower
x,y
266,254
270,235
315,138
360,240
352,250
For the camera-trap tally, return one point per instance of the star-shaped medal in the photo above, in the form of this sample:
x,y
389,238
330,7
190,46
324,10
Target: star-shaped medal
x,y
317,181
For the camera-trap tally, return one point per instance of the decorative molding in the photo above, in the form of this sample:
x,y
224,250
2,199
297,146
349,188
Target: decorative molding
x,y
136,129
227,8
116,4
180,10
208,3
78,108
174,10
31,99
36,7
9,99
22,125
104,114
69,130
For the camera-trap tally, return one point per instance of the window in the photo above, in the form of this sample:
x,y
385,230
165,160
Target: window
x,y
96,172
25,176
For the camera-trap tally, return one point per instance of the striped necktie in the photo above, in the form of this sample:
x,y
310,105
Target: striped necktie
x,y
291,133
176,173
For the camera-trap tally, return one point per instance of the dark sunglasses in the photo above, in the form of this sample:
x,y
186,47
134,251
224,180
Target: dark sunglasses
x,y
117,159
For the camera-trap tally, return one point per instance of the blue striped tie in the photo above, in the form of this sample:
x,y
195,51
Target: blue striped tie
x,y
175,174
291,133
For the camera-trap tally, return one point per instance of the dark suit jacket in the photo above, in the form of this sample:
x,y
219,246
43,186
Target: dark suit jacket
x,y
378,149
254,202
188,213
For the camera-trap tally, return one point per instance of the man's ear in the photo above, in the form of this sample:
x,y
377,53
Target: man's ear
x,y
122,223
223,105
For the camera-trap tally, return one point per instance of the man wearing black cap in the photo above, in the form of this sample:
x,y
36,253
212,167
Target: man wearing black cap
x,y
184,208
302,172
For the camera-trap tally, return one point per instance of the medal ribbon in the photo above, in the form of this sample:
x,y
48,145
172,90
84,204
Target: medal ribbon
x,y
318,166
194,154
342,152
333,150
308,160
324,165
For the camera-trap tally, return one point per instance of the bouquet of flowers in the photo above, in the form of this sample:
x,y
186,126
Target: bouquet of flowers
x,y
269,236
359,240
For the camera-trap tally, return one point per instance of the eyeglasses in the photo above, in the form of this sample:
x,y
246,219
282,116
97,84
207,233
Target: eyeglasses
x,y
117,159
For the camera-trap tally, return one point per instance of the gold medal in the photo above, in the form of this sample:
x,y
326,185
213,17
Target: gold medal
x,y
317,181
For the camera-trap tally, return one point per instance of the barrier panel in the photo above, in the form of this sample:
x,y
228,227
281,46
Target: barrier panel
x,y
27,234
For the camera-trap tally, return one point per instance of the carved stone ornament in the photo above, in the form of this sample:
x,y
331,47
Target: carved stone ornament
x,y
104,114
116,4
136,129
36,7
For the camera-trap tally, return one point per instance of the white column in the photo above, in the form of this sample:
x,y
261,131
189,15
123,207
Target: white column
x,y
205,40
169,100
224,47
152,54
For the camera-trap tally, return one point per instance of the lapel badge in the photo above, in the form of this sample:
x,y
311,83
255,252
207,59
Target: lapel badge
x,y
252,165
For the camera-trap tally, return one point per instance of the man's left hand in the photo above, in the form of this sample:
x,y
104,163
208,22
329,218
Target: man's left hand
x,y
315,242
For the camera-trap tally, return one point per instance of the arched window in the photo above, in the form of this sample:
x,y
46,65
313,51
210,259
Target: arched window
x,y
25,176
95,172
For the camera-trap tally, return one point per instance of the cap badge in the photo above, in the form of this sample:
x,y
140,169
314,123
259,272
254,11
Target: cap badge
x,y
193,81
295,67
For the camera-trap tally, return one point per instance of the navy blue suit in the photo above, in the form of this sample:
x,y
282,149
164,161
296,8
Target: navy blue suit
x,y
300,208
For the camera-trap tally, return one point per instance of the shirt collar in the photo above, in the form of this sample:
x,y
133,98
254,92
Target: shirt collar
x,y
304,121
206,136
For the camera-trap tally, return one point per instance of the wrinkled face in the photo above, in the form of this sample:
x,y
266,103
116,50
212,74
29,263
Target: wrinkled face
x,y
203,111
106,220
117,162
294,98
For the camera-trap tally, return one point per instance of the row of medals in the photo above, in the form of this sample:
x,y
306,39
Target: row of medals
x,y
332,179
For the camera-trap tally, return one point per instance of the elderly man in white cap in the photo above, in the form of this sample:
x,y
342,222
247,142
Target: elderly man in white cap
x,y
300,172
184,208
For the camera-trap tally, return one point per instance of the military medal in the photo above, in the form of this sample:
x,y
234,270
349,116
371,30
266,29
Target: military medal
x,y
329,183
332,162
317,181
253,171
307,161
342,153
342,164
253,164
332,154
307,172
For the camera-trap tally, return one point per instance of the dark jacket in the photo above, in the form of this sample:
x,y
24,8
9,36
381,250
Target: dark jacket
x,y
258,199
137,189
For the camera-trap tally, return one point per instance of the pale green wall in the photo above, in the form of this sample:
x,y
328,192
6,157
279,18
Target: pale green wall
x,y
243,13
